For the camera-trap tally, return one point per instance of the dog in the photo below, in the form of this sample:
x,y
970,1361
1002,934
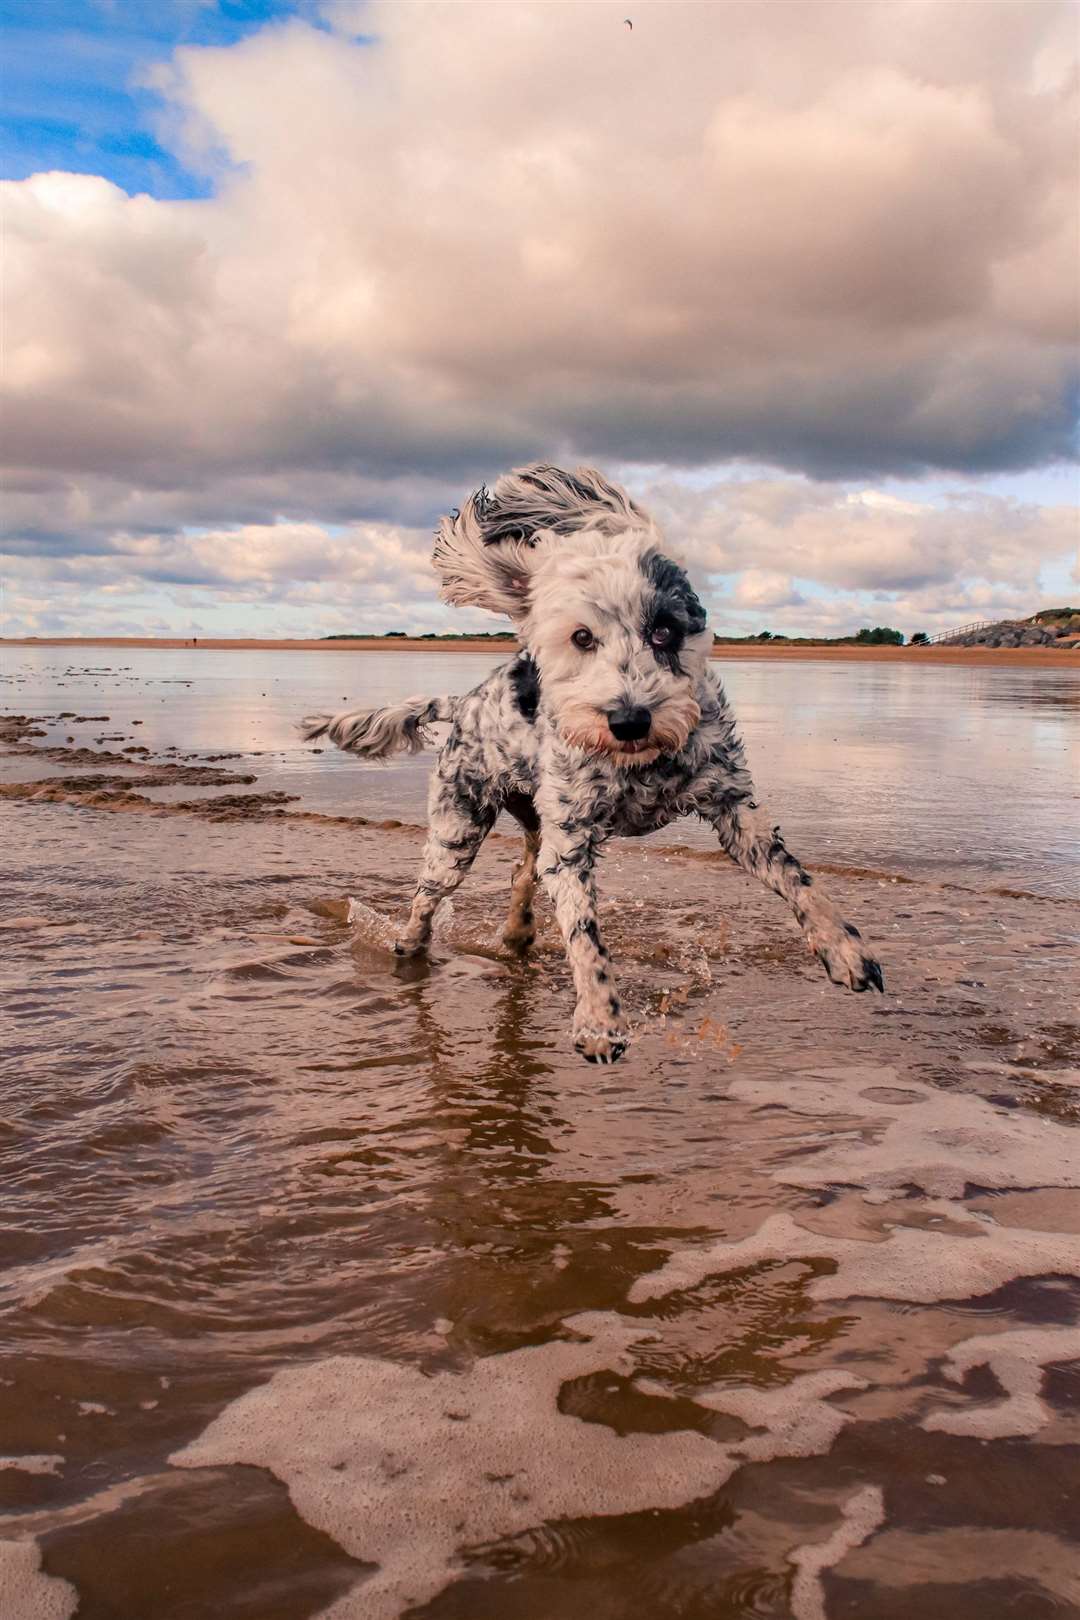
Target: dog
x,y
608,722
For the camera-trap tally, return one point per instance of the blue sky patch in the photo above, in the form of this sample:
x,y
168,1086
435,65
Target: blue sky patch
x,y
72,97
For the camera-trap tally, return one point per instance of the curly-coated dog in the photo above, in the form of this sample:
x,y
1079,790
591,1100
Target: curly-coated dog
x,y
609,720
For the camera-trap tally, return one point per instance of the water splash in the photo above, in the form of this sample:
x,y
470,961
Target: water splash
x,y
375,928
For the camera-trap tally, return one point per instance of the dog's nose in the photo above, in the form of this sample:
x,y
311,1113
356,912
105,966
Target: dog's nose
x,y
629,724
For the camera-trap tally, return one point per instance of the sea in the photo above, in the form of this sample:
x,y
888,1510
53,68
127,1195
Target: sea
x,y
339,1285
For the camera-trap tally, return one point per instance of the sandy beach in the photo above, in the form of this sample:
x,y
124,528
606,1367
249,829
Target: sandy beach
x,y
1017,657
296,1231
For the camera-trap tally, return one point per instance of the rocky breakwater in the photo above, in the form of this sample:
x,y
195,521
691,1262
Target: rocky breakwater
x,y
1058,632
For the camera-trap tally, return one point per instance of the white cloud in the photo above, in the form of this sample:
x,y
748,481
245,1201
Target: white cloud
x,y
864,539
826,233
758,588
782,553
828,236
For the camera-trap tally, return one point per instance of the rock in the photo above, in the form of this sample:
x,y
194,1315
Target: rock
x,y
1018,633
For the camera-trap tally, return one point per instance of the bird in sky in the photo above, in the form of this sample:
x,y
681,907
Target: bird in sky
x,y
629,24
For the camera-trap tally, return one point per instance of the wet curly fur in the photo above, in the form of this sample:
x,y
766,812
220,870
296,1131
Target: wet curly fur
x,y
609,722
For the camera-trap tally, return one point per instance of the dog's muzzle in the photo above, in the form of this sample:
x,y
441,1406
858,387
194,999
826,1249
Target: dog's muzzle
x,y
629,724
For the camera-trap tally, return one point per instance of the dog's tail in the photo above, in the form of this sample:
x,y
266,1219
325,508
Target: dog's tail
x,y
378,733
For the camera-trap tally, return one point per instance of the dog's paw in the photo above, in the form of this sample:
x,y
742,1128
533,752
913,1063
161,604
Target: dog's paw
x,y
519,941
846,959
409,947
601,1045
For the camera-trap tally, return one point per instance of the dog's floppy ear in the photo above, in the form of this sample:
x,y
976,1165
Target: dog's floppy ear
x,y
485,553
478,573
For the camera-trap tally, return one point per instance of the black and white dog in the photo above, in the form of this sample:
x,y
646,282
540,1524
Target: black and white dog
x,y
610,720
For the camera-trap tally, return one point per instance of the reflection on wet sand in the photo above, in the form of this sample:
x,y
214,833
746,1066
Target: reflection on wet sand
x,y
336,1285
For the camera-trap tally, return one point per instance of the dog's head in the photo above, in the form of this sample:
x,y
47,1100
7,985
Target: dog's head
x,y
617,633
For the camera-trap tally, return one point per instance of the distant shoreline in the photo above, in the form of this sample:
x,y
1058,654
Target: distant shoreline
x,y
1023,657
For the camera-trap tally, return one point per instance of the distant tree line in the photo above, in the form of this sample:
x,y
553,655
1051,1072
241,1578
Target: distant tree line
x,y
880,636
428,635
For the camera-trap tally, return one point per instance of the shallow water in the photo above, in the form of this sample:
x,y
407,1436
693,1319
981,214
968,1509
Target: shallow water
x,y
336,1285
963,770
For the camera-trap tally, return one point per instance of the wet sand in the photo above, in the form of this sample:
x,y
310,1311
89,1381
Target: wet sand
x,y
1016,657
337,1285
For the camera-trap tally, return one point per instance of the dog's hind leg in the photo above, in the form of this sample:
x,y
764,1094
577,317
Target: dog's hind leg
x,y
458,827
520,930
748,836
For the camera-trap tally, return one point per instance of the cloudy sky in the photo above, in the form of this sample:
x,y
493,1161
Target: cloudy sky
x,y
284,281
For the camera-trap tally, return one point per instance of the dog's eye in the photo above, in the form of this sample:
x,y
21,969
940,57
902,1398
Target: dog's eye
x,y
662,636
584,639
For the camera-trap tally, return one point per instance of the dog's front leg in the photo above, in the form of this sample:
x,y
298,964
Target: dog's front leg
x,y
748,836
567,873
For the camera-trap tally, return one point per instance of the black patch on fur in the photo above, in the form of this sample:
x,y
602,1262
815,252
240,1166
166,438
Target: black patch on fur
x,y
471,796
523,810
525,681
498,523
586,926
673,606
